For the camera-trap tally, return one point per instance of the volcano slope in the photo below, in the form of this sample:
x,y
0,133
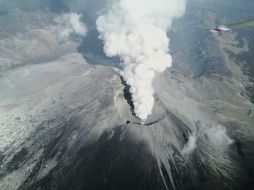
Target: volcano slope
x,y
66,124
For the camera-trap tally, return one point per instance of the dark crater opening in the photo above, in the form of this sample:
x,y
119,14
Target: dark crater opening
x,y
148,123
127,96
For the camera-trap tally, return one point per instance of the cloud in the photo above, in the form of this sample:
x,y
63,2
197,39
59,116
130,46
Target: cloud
x,y
190,146
35,37
217,136
136,31
69,24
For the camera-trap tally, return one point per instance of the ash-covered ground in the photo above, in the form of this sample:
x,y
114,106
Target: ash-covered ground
x,y
68,124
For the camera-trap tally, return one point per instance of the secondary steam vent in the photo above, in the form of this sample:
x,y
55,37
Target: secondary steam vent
x,y
136,31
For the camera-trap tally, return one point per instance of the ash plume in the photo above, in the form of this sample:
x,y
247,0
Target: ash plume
x,y
136,31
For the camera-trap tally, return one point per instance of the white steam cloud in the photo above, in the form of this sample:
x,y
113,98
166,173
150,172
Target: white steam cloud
x,y
70,24
136,31
218,136
190,146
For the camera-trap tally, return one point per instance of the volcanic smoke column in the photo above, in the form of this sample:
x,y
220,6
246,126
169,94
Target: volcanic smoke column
x,y
136,31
